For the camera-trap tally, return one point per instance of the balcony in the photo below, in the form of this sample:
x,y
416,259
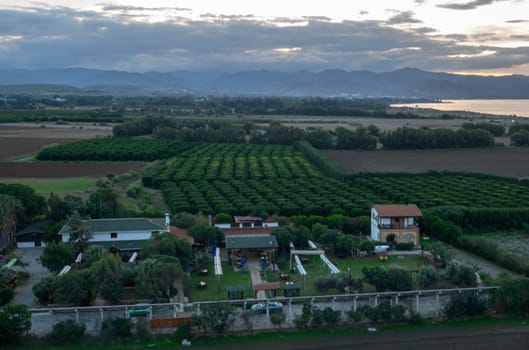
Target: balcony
x,y
397,227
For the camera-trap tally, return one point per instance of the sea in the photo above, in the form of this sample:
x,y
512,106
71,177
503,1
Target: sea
x,y
511,108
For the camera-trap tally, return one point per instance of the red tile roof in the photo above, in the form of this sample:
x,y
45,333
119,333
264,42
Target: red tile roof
x,y
266,286
182,234
240,219
398,210
247,231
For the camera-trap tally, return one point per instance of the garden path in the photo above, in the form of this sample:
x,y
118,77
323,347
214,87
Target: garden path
x,y
255,274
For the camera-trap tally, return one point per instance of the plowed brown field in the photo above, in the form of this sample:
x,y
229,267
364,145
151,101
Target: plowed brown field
x,y
25,138
504,161
11,147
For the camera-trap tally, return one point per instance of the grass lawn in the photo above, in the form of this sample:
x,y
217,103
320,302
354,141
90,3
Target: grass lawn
x,y
316,268
212,292
72,184
313,265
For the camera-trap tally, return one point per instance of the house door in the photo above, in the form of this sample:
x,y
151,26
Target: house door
x,y
391,238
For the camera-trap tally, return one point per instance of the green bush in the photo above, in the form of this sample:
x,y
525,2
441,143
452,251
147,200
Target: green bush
x,y
183,331
404,246
117,327
367,246
142,329
68,331
465,305
6,295
277,318
302,321
460,274
427,277
15,322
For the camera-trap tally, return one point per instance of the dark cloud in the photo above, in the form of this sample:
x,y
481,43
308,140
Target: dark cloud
x,y
138,8
471,5
518,21
62,37
317,18
520,37
405,17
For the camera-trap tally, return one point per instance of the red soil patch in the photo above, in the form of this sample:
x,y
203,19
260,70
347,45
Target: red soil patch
x,y
12,147
503,161
64,170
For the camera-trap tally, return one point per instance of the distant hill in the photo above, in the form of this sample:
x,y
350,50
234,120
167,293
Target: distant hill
x,y
403,83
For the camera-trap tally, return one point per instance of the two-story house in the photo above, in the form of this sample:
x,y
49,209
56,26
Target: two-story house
x,y
395,223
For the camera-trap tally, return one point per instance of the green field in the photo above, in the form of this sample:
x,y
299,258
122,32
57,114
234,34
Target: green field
x,y
234,178
66,185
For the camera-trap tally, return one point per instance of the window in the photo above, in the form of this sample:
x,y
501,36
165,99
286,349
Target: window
x,y
113,235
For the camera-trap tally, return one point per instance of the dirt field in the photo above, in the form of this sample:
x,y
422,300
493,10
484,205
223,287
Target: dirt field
x,y
385,124
26,138
475,338
504,161
53,131
64,170
15,146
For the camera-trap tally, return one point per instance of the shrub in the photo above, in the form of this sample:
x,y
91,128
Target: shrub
x,y
117,327
354,316
393,278
68,331
405,246
427,277
460,275
6,295
223,218
331,317
142,329
183,331
316,317
367,246
462,305
277,318
15,321
302,321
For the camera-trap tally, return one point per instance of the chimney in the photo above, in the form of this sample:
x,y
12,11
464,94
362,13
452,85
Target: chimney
x,y
167,220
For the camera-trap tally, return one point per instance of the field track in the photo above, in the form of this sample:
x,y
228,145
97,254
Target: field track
x,y
64,170
503,161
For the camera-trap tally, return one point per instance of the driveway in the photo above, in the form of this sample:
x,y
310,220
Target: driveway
x,y
24,293
484,265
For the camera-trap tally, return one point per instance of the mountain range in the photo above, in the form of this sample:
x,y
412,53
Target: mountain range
x,y
402,83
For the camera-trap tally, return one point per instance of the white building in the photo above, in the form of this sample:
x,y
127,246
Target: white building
x,y
123,233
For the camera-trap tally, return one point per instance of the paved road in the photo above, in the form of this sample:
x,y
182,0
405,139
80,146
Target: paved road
x,y
24,293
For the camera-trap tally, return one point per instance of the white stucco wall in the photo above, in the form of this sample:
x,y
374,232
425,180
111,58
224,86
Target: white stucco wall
x,y
375,232
121,236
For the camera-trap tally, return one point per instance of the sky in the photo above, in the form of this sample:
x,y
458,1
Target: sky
x,y
487,37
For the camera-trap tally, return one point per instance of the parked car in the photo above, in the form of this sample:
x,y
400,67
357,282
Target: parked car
x,y
272,306
140,310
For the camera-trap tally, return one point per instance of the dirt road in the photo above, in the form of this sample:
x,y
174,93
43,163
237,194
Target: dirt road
x,y
474,338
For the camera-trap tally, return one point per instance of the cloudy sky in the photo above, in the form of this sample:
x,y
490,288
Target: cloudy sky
x,y
469,36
